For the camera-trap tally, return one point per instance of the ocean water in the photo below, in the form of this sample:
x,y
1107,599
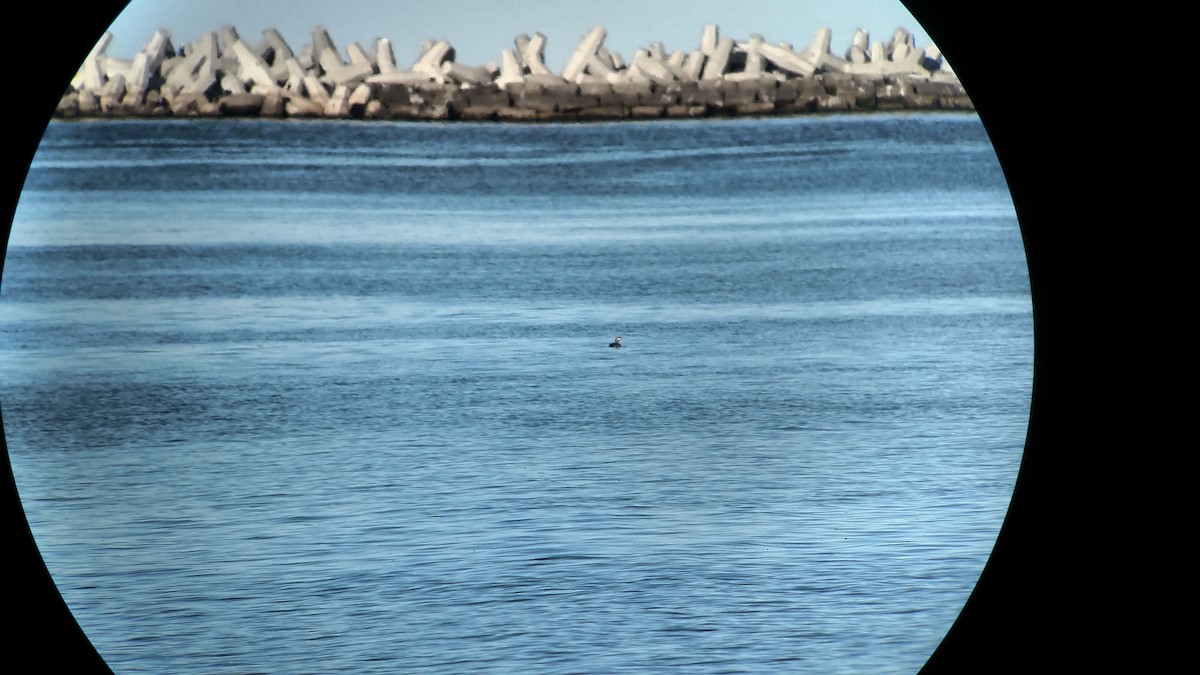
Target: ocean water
x,y
286,396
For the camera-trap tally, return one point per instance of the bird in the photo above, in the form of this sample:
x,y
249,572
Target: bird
x,y
616,342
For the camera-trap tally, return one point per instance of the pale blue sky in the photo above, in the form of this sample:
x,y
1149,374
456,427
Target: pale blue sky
x,y
480,29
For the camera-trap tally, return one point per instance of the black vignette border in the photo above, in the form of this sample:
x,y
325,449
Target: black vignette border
x,y
1049,598
1022,612
49,41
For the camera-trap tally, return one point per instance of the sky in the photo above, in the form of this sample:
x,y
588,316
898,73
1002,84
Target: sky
x,y
479,30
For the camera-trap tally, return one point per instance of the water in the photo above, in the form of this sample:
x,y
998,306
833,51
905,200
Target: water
x,y
335,397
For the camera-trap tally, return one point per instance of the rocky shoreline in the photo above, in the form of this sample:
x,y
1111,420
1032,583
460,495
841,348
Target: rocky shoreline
x,y
221,75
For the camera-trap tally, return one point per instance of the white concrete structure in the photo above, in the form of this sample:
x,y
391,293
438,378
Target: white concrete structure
x,y
718,61
91,73
586,49
222,74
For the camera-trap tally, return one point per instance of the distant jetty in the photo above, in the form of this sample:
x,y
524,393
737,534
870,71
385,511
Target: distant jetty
x,y
222,75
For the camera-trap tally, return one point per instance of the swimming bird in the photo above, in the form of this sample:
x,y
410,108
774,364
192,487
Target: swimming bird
x,y
616,342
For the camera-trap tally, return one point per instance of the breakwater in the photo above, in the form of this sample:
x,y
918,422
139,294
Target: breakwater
x,y
222,75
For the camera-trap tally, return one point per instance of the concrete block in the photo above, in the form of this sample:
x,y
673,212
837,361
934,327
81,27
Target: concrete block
x,y
718,61
901,44
302,107
305,58
543,82
539,101
251,67
755,63
645,112
338,72
818,53
205,85
653,69
392,94
742,76
635,75
857,56
241,105
683,93
374,110
933,59
226,36
158,49
110,107
488,95
630,94
88,103
710,93
360,96
708,40
600,113
280,51
399,78
742,93
198,73
322,44
834,64
431,60
674,63
685,111
919,93
511,70
91,74
385,58
799,95
755,108
597,89
174,63
607,59
273,104
787,60
185,70
860,91
398,112
532,53
818,47
693,65
315,90
231,84
114,88
138,80
586,49
114,66
861,40
359,57
618,63
601,68
660,96
338,105
294,81
515,114
462,74
479,113
437,101
68,105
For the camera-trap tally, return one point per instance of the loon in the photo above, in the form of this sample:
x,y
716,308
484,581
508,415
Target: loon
x,y
616,342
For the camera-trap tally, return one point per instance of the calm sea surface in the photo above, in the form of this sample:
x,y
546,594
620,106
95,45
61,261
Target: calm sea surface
x,y
326,397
